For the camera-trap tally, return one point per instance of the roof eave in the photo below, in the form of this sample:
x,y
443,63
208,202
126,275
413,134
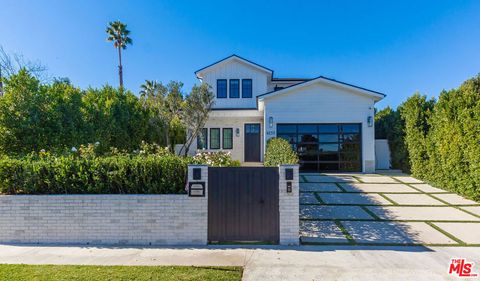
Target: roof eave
x,y
248,62
376,95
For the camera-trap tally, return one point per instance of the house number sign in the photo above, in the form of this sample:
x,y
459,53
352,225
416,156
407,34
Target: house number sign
x,y
270,133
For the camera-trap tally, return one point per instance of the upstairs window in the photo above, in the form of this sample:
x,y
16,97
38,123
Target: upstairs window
x,y
214,138
234,88
202,139
222,88
246,88
227,138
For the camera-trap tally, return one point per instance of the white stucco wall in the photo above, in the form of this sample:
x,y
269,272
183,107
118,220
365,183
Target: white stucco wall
x,y
236,69
320,103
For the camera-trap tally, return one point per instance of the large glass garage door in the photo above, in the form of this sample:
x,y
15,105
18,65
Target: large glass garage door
x,y
325,147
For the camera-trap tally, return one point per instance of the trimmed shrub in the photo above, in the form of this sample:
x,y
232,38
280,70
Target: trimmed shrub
x,y
215,159
119,174
279,152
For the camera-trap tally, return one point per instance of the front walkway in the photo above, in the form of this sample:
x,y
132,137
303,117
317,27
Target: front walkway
x,y
266,262
361,209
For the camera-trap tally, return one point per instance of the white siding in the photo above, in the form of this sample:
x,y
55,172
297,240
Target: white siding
x,y
237,70
320,103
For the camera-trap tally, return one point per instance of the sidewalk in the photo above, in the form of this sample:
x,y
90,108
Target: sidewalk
x,y
267,262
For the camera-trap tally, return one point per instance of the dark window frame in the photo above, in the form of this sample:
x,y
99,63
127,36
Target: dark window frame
x,y
251,89
219,138
205,136
230,87
223,137
226,89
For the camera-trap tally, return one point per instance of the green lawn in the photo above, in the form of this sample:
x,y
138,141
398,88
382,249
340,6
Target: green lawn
x,y
91,273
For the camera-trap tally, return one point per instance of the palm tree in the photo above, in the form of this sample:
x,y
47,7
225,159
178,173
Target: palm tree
x,y
149,89
118,33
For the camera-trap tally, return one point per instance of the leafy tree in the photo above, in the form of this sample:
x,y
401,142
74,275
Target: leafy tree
x,y
118,33
195,113
114,117
174,105
165,103
35,116
152,97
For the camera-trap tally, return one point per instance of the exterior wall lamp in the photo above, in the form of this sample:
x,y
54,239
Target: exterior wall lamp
x,y
237,132
370,121
270,121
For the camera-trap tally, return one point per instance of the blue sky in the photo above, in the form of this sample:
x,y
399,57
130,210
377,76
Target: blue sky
x,y
393,47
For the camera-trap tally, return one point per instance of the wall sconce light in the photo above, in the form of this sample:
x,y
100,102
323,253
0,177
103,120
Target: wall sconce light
x,y
270,121
237,132
370,121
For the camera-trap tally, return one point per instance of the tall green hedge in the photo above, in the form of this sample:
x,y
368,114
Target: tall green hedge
x,y
443,138
279,152
120,174
35,116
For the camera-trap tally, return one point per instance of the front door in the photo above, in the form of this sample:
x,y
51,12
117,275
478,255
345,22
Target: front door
x,y
252,143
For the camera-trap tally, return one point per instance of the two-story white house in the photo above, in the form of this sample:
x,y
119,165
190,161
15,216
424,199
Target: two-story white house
x,y
330,124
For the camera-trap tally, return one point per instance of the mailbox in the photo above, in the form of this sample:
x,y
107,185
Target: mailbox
x,y
289,187
289,174
196,189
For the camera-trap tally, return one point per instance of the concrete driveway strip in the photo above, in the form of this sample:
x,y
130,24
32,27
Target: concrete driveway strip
x,y
421,213
268,262
319,187
333,212
378,187
353,198
414,199
395,233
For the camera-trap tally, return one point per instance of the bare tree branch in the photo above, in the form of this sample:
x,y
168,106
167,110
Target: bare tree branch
x,y
12,63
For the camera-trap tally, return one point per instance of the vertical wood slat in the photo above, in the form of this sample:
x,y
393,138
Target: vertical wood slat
x,y
243,204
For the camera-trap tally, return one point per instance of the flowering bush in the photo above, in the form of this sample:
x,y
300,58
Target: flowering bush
x,y
215,159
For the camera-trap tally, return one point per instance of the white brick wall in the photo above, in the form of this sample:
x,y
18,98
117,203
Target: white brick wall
x,y
173,219
105,219
289,207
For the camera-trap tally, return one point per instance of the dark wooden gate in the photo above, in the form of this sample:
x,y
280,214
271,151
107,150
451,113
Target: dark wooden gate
x,y
243,204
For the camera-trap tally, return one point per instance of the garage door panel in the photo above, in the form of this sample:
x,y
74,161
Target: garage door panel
x,y
325,147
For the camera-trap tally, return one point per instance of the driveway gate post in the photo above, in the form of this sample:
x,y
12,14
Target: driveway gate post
x,y
289,204
197,189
